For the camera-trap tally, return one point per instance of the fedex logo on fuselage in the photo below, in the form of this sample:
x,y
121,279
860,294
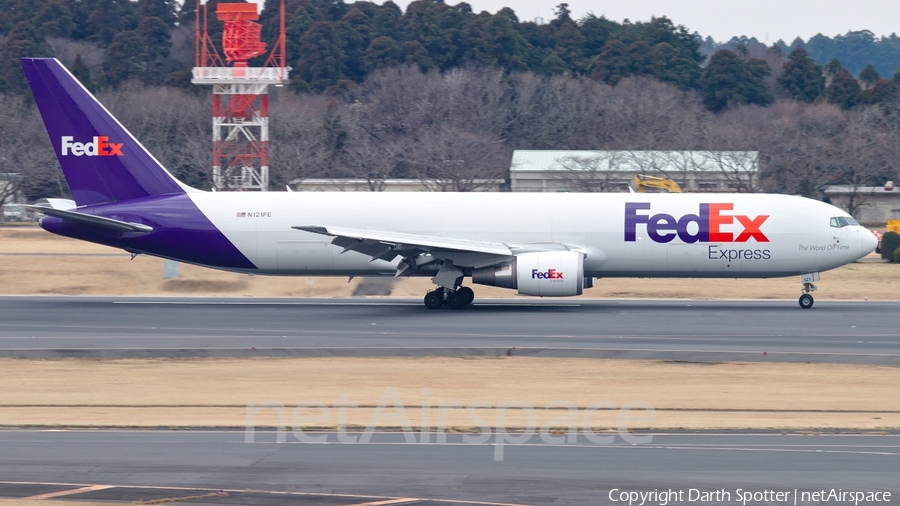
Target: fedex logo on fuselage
x,y
100,146
710,220
548,274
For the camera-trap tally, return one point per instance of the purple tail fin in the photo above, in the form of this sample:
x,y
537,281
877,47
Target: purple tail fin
x,y
101,160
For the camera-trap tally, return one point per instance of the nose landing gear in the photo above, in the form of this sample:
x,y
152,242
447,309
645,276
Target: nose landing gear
x,y
806,300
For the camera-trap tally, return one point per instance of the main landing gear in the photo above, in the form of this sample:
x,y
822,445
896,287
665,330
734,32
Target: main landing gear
x,y
456,299
806,300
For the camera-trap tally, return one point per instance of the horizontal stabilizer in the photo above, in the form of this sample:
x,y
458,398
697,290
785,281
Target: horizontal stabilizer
x,y
90,219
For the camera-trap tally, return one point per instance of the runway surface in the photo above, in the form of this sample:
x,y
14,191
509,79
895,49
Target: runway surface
x,y
144,465
845,332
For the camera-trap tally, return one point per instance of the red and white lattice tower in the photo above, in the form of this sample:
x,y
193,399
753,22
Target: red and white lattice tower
x,y
240,135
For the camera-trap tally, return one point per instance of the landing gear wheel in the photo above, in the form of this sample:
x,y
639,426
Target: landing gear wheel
x,y
467,294
456,300
806,301
434,300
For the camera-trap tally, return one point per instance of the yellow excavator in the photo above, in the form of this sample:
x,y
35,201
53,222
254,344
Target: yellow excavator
x,y
892,226
654,184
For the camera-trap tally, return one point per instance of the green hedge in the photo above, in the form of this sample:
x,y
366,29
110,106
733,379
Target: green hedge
x,y
897,256
890,242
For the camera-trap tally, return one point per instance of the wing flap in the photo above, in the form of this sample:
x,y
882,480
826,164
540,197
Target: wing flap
x,y
372,242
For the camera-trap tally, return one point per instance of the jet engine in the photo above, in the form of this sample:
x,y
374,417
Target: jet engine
x,y
542,273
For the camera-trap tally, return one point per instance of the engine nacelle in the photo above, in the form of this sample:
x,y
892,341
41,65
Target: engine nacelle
x,y
542,273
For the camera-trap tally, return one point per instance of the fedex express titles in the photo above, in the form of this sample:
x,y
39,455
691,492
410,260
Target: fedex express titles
x,y
663,228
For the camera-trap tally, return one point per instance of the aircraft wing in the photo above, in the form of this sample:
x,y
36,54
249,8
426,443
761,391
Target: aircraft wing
x,y
386,245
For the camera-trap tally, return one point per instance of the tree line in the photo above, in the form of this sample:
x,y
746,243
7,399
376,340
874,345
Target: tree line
x,y
854,49
461,126
441,93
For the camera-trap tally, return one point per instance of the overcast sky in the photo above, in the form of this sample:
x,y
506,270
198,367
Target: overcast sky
x,y
780,19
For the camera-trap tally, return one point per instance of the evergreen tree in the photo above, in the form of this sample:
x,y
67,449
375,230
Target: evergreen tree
x,y
802,79
126,58
166,10
382,52
844,91
322,59
414,53
552,64
187,14
15,12
885,90
869,75
295,28
833,67
612,64
565,39
495,40
100,20
157,43
55,20
730,81
596,32
23,40
82,72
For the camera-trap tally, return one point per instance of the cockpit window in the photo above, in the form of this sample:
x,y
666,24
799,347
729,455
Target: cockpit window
x,y
843,221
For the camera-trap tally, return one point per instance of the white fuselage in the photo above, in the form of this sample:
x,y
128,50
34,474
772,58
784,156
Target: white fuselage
x,y
795,238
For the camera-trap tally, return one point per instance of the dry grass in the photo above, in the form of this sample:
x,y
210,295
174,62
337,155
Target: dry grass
x,y
32,502
215,392
114,273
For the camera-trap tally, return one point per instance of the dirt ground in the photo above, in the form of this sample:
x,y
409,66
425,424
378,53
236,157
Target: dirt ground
x,y
36,262
217,392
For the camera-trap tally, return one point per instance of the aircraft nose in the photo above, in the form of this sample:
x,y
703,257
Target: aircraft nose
x,y
869,242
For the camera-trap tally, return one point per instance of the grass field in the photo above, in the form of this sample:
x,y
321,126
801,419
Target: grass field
x,y
216,392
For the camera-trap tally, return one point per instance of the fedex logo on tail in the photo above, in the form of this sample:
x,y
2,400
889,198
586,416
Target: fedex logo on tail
x,y
710,220
100,146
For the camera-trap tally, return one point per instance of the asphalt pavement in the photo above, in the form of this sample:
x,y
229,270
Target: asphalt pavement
x,y
157,465
690,330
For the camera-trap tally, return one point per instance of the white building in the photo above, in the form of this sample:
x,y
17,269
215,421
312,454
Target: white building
x,y
612,171
871,205
387,185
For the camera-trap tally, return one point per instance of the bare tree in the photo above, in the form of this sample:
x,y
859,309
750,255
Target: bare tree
x,y
739,168
858,160
599,172
370,157
447,158
26,156
300,147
